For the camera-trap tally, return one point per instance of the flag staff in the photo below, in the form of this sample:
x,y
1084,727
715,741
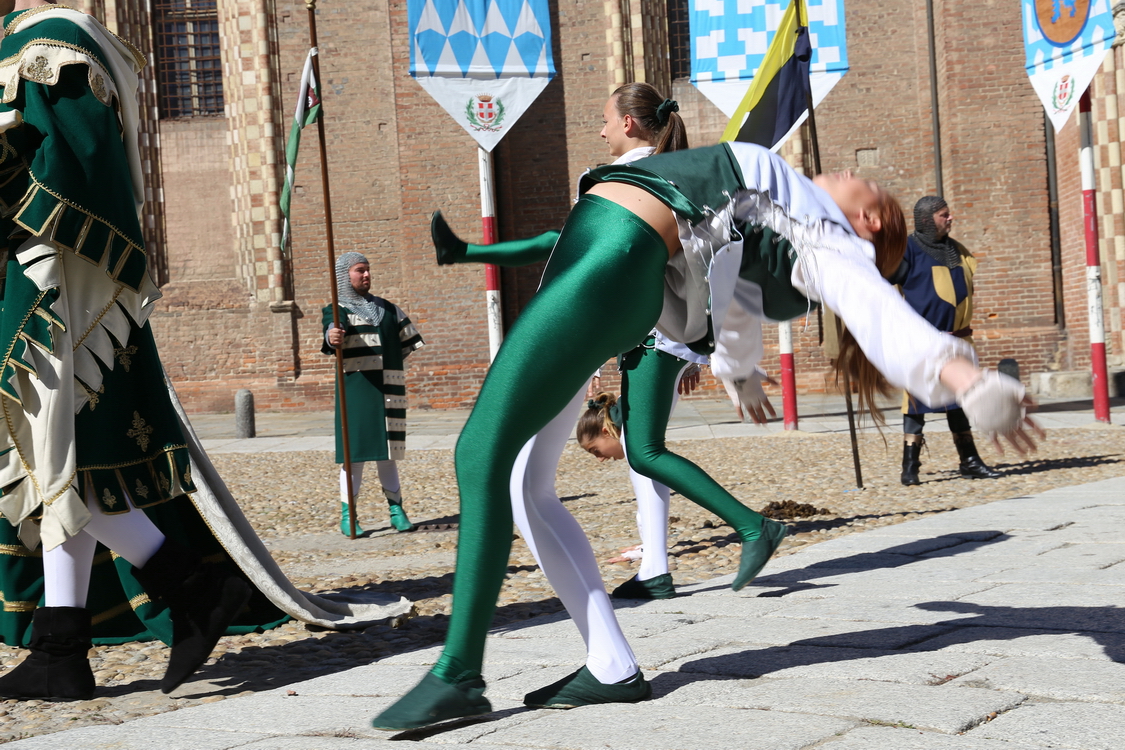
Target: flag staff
x,y
815,147
330,239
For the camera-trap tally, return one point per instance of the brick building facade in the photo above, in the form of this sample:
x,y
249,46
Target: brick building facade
x,y
237,313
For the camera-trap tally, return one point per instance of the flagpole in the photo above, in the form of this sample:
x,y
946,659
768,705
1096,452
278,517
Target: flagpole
x,y
330,238
815,144
491,270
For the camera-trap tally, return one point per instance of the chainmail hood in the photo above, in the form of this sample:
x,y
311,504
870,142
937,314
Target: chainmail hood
x,y
365,306
944,251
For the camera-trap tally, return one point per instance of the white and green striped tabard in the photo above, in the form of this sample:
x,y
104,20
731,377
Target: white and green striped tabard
x,y
375,379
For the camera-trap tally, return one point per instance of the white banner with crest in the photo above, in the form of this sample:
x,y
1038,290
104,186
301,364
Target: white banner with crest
x,y
1065,41
483,61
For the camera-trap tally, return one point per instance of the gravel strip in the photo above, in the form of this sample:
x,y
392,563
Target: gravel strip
x,y
291,498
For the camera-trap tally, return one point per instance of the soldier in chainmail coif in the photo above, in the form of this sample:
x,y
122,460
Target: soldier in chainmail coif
x,y
376,339
937,281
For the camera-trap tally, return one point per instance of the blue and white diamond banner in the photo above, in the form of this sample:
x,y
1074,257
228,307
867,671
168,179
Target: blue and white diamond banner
x,y
729,39
1066,42
483,61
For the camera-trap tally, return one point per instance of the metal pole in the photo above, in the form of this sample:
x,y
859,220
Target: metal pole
x,y
815,143
491,271
330,239
788,375
1093,262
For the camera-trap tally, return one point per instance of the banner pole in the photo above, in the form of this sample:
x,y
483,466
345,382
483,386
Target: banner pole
x,y
815,144
330,241
1093,262
491,271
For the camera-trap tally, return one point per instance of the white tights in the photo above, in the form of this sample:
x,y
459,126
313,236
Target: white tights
x,y
652,513
388,477
563,551
66,568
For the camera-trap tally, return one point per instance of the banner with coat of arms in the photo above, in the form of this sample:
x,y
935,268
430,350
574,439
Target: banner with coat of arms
x,y
1065,42
729,40
483,61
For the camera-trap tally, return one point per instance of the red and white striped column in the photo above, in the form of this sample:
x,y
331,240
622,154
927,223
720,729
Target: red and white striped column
x,y
491,271
788,375
1093,262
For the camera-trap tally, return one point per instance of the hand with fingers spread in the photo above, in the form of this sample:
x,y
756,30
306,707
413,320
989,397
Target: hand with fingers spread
x,y
749,398
689,381
995,404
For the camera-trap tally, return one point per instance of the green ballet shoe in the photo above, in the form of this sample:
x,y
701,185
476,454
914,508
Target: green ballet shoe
x,y
583,689
756,552
433,701
450,248
659,587
345,522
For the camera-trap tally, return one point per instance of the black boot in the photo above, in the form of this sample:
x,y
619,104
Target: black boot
x,y
203,601
57,669
971,465
911,459
450,248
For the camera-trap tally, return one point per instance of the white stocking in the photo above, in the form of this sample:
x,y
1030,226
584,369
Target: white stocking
x,y
66,571
652,513
563,551
388,475
357,481
66,568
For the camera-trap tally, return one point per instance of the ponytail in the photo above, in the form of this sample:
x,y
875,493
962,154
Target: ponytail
x,y
657,116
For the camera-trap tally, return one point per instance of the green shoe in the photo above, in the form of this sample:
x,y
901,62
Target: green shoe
x,y
756,552
434,700
399,519
659,587
583,689
345,522
450,248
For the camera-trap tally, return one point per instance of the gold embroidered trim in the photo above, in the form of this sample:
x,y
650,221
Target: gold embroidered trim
x,y
141,431
138,600
18,606
163,451
10,28
17,550
97,321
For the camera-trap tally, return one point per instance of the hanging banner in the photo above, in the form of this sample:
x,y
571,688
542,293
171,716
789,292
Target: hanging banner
x,y
729,40
483,61
1065,41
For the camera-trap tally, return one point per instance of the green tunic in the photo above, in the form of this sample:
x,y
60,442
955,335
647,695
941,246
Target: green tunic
x,y
65,169
374,382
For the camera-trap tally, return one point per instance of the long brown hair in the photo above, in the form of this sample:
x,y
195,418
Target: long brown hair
x,y
890,245
595,418
660,125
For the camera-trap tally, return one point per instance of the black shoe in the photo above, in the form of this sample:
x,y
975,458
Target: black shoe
x,y
57,669
912,460
450,248
659,587
971,465
203,601
583,689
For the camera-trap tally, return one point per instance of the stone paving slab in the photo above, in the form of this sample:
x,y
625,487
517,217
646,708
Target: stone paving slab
x,y
1046,645
825,662
1090,681
943,708
902,738
132,737
1077,726
377,680
633,624
652,726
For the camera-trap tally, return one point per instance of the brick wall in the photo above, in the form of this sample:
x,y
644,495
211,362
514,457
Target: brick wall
x,y
395,155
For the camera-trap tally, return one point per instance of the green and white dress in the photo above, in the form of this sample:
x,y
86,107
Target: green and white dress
x,y
374,380
86,412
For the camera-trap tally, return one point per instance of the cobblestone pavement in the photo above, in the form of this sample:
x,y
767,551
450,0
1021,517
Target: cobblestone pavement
x,y
291,499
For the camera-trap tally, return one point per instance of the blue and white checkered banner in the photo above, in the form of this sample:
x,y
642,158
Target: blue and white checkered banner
x,y
1065,41
729,38
483,61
